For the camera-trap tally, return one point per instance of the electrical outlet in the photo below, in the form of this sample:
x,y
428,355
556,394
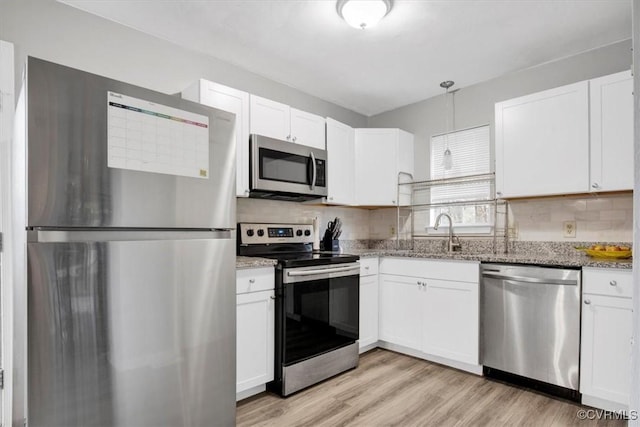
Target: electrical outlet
x,y
393,230
569,229
512,232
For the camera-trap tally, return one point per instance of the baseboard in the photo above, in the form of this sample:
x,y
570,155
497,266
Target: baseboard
x,y
250,392
369,347
473,369
605,404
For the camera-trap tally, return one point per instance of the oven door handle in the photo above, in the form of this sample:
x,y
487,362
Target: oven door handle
x,y
322,271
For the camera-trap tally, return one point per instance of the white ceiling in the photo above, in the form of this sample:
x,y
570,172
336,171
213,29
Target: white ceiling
x,y
306,45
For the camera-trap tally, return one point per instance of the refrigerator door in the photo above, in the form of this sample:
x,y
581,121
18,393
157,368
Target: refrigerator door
x,y
70,147
131,333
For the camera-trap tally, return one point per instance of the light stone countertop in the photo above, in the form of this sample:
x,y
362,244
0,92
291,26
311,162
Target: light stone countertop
x,y
254,262
578,260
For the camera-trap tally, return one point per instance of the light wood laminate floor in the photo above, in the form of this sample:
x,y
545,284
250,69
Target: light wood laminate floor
x,y
391,389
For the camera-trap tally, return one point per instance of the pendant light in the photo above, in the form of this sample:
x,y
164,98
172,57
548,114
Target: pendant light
x,y
447,158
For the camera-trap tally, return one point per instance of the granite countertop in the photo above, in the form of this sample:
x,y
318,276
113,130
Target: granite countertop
x,y
254,262
577,260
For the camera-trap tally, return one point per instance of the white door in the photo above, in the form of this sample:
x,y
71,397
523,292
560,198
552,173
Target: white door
x,y
368,310
254,339
451,320
340,160
376,167
307,129
401,306
269,118
612,132
542,143
605,360
237,102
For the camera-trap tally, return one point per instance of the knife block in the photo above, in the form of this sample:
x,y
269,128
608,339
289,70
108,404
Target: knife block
x,y
329,244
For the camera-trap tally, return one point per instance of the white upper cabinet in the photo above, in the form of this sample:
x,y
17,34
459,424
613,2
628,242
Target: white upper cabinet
x,y
277,120
307,129
380,156
542,143
270,118
234,101
340,161
612,132
572,139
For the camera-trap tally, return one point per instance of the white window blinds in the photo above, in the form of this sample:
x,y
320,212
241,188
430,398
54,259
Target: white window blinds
x,y
470,153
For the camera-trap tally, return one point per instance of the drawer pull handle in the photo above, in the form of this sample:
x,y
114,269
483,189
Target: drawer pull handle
x,y
272,297
252,280
613,283
587,301
366,267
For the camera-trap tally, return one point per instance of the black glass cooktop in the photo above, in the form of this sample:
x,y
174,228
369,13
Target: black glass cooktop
x,y
302,259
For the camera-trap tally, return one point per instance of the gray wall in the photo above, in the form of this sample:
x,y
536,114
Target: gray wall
x,y
475,104
62,34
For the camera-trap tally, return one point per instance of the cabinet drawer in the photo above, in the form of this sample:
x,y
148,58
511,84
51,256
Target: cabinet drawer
x,y
254,280
604,281
462,271
368,266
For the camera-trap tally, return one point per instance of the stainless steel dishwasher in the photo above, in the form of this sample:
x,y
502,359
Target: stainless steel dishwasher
x,y
530,320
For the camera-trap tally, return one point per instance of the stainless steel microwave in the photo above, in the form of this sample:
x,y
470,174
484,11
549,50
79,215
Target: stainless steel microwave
x,y
286,171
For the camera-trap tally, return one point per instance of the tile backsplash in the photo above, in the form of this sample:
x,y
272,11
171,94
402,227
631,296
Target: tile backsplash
x,y
598,218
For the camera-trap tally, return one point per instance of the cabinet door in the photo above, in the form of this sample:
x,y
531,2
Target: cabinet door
x,y
307,129
376,167
605,362
270,118
401,310
340,159
451,320
237,102
612,132
368,310
542,143
254,339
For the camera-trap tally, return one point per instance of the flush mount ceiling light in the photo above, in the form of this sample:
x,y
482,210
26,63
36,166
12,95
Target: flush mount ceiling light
x,y
363,14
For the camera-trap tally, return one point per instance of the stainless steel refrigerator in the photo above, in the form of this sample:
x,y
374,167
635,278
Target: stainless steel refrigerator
x,y
124,291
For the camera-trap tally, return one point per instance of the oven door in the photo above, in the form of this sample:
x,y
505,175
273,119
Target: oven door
x,y
283,167
321,309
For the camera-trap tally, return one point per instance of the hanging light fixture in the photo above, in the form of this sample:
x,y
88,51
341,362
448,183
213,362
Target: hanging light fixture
x,y
447,158
363,14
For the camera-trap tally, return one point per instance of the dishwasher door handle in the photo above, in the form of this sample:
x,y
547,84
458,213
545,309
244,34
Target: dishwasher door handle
x,y
524,279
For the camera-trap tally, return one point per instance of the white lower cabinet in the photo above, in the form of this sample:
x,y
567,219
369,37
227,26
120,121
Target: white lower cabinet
x,y
254,330
401,310
368,304
435,313
451,325
605,360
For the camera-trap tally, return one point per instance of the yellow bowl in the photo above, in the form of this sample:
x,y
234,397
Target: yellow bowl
x,y
607,254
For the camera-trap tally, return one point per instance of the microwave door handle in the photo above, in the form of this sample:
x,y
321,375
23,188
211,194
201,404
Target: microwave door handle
x,y
313,176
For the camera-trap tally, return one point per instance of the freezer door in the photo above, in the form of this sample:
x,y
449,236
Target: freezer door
x,y
70,183
131,333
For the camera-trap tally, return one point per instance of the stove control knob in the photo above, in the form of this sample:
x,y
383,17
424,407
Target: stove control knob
x,y
307,233
250,232
299,233
260,232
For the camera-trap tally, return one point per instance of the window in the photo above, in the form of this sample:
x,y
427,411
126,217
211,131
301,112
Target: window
x,y
470,151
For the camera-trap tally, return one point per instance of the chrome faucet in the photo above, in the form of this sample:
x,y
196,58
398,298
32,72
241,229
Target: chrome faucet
x,y
454,242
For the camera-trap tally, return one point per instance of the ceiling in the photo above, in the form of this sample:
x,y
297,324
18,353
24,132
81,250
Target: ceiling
x,y
306,45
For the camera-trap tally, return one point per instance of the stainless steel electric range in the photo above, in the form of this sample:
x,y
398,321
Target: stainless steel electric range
x,y
317,304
